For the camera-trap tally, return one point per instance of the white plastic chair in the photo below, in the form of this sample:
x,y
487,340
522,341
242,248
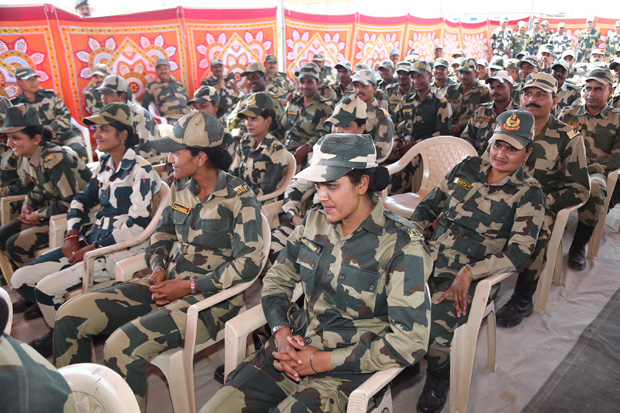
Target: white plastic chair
x,y
552,270
388,152
99,388
178,364
439,155
86,135
595,241
463,347
5,296
155,113
290,172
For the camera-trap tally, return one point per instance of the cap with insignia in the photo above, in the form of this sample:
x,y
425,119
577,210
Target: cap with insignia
x,y
512,64
529,59
25,73
547,48
468,65
403,66
205,94
536,21
349,109
387,64
162,61
420,67
319,57
515,127
521,53
459,52
501,76
345,64
543,81
256,104
309,71
365,77
598,51
545,23
4,105
114,83
194,130
568,53
254,67
334,155
19,117
101,69
602,76
483,62
113,114
216,61
271,58
561,63
394,52
497,63
361,66
442,62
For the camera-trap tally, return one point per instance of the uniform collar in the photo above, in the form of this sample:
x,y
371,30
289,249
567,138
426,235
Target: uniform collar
x,y
127,163
35,159
375,222
601,113
219,190
515,179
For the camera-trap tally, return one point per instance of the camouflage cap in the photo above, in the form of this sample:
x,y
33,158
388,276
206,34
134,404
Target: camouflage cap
x,y
561,24
254,67
345,64
420,67
531,60
590,19
468,65
459,52
521,53
457,62
4,105
522,24
271,58
361,66
442,62
598,51
205,94
412,58
614,63
547,48
309,71
561,63
568,52
512,64
504,20
543,81
256,104
334,155
394,52
216,61
515,127
114,83
482,62
112,114
101,69
403,66
545,23
19,117
365,77
602,76
162,61
24,73
501,76
497,63
349,109
536,21
80,3
194,130
387,64
439,46
319,57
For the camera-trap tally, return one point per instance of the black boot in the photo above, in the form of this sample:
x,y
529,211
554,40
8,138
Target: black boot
x,y
219,374
435,392
44,345
32,312
21,306
520,305
577,251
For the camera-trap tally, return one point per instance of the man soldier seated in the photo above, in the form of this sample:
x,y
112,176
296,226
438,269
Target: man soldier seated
x,y
92,96
396,91
83,8
386,71
343,84
167,93
226,86
441,81
568,94
278,84
326,72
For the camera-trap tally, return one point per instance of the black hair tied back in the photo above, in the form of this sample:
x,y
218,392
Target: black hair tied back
x,y
379,177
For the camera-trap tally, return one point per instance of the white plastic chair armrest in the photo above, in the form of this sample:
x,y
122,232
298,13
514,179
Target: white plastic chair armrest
x,y
125,269
5,206
58,227
9,323
359,398
155,113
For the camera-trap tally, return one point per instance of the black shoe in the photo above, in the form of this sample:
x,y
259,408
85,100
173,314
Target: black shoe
x,y
434,395
577,257
21,306
44,345
515,310
219,374
32,312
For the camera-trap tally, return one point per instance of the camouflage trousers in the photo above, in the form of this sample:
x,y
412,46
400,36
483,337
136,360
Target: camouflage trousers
x,y
21,241
592,210
48,278
140,330
256,386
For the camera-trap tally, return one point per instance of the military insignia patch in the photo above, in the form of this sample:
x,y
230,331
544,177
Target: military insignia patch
x,y
315,248
48,158
513,123
462,183
144,163
182,208
292,113
241,189
413,233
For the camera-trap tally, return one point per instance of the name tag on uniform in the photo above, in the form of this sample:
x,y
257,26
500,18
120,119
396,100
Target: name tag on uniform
x,y
315,248
462,183
241,189
292,113
482,120
575,124
407,110
182,208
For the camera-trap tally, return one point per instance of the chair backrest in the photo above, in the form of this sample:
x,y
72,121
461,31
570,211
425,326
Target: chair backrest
x,y
291,168
155,113
102,386
86,135
5,297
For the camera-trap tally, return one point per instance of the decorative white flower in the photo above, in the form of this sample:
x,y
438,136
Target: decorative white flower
x,y
16,57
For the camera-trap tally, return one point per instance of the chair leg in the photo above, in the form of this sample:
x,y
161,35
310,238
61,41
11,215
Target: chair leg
x,y
6,268
173,368
491,338
557,268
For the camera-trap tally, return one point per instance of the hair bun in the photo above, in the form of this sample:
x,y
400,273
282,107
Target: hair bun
x,y
382,178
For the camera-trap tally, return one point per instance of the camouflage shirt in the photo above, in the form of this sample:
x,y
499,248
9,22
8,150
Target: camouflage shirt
x,y
587,41
394,96
612,44
13,180
279,85
520,42
491,227
422,119
92,98
561,42
262,167
568,95
57,173
601,135
146,128
463,104
441,91
236,125
535,40
365,297
304,125
501,41
228,97
381,85
218,238
125,196
169,97
327,75
335,92
380,126
482,124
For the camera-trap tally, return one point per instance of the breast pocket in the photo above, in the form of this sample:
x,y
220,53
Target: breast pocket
x,y
308,260
181,225
496,217
216,233
357,291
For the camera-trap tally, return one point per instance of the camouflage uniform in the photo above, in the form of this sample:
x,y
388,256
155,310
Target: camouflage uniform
x,y
92,99
147,130
13,180
394,96
501,41
463,104
536,40
587,41
236,125
228,97
279,85
481,125
122,198
560,43
380,126
57,174
336,92
218,239
304,125
381,85
520,42
490,227
369,281
169,97
612,44
262,167
568,95
53,112
441,91
327,75
31,384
